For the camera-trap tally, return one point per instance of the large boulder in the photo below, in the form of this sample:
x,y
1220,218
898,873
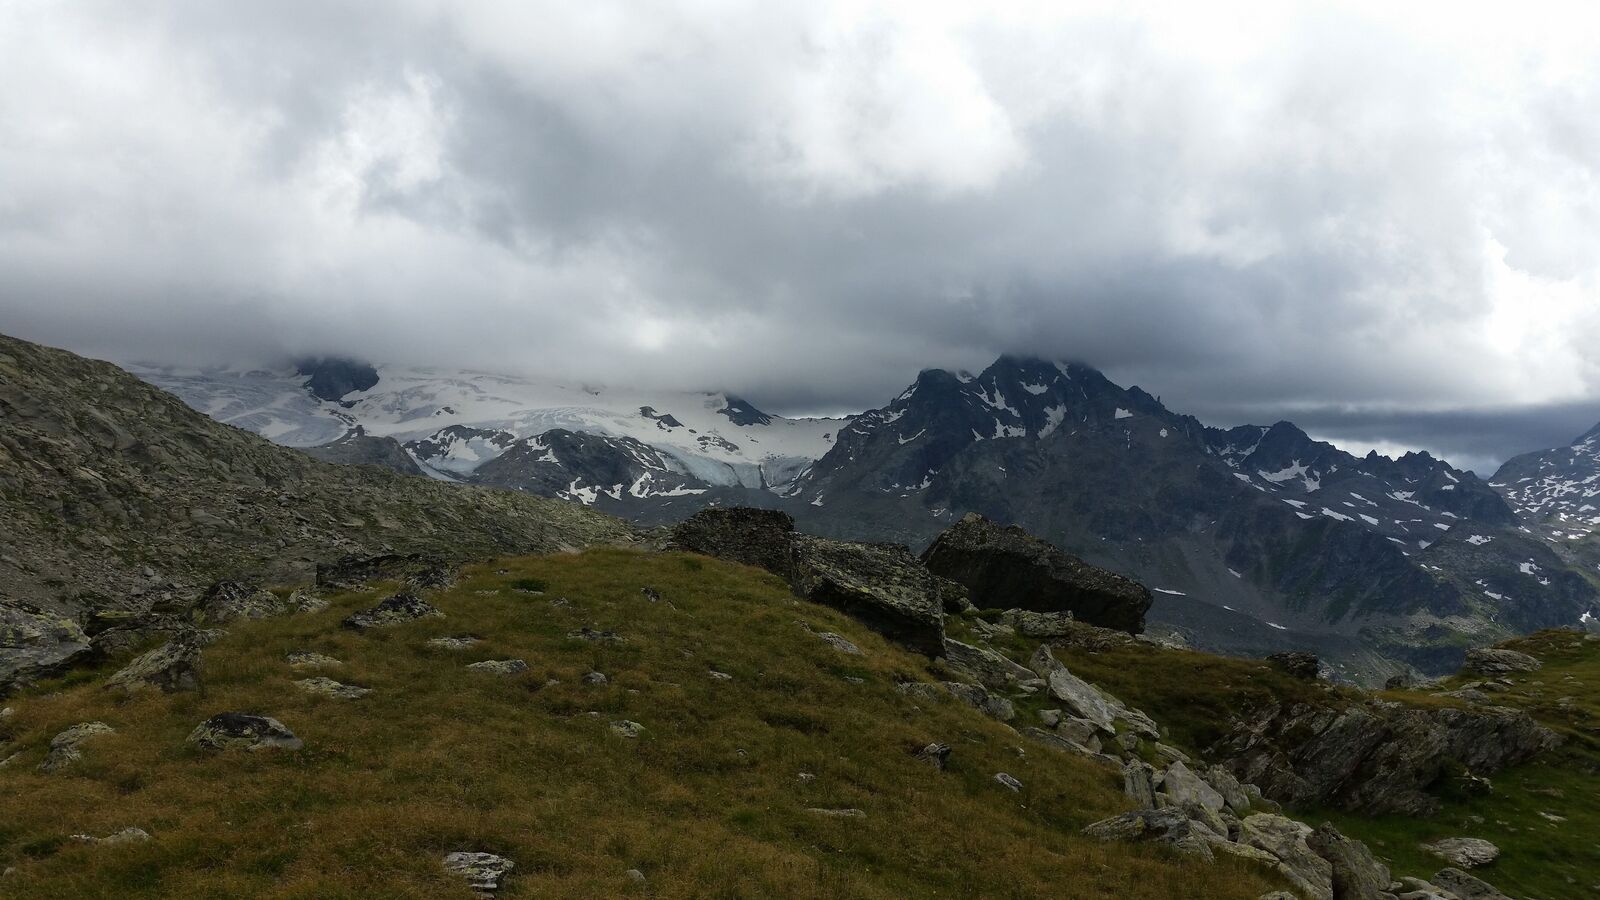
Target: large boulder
x,y
1465,886
1464,852
1004,567
35,644
1495,661
1374,757
171,667
755,537
1357,874
1286,839
883,585
1297,664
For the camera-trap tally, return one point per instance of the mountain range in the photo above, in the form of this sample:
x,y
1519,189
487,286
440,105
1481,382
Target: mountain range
x,y
1254,538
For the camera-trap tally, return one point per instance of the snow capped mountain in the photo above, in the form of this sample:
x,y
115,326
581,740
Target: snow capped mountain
x,y
453,423
1556,492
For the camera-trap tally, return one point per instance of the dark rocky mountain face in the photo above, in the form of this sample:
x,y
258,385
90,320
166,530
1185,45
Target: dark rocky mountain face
x,y
604,471
1556,493
359,448
330,378
117,499
1254,538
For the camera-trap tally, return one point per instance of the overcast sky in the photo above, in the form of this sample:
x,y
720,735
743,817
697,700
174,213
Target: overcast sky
x,y
1382,223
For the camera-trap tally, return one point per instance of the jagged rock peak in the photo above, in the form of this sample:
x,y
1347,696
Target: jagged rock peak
x,y
332,377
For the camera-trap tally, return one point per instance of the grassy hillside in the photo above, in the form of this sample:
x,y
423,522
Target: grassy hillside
x,y
707,801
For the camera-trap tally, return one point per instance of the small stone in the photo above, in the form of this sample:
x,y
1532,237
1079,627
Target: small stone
x,y
7,713
327,687
935,753
626,728
1008,782
838,643
66,747
454,642
125,836
243,731
806,777
306,602
499,666
851,679
838,813
634,875
1050,718
720,676
306,659
651,594
602,637
483,872
596,679
1464,852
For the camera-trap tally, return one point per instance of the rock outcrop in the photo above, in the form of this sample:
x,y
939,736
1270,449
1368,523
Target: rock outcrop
x,y
36,644
400,608
66,748
171,667
1377,756
882,585
755,537
1007,568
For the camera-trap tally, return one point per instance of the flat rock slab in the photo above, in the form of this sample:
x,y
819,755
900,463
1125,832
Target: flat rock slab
x,y
454,642
125,836
396,610
1494,661
483,872
327,687
36,645
306,659
243,731
882,585
500,666
1464,852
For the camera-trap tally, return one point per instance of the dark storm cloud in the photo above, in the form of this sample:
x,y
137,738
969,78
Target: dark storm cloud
x,y
806,203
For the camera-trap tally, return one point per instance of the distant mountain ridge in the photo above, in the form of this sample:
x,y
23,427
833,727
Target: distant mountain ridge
x,y
1256,538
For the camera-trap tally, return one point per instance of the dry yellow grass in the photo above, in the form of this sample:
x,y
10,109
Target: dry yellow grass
x,y
707,802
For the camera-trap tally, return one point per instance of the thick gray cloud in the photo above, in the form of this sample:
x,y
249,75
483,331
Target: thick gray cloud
x,y
1379,223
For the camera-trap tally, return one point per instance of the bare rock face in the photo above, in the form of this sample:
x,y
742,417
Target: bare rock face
x,y
1008,568
882,585
754,537
1494,661
242,731
404,607
1374,757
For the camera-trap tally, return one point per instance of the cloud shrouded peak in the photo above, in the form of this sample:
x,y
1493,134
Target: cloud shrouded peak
x,y
1381,220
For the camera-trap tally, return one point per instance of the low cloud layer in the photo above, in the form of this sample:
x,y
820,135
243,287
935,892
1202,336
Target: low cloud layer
x,y
1380,224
